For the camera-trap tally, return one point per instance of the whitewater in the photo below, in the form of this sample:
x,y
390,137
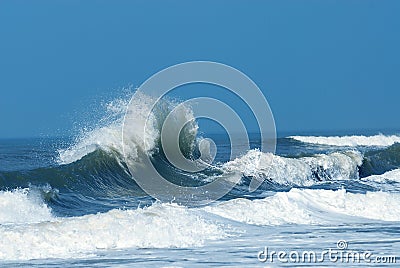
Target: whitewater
x,y
72,201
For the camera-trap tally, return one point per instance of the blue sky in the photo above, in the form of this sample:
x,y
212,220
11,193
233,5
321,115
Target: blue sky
x,y
323,65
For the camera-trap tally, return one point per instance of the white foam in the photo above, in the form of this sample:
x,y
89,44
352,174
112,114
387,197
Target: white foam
x,y
158,226
377,140
106,135
105,138
390,176
140,116
311,207
297,171
22,206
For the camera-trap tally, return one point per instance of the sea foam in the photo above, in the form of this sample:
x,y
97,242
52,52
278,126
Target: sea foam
x,y
22,206
297,171
308,206
131,131
377,140
157,226
390,176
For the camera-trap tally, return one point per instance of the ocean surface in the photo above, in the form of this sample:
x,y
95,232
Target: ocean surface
x,y
72,201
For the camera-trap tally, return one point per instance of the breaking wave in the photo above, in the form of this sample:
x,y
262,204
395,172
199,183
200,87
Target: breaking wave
x,y
350,141
88,202
308,206
302,171
39,234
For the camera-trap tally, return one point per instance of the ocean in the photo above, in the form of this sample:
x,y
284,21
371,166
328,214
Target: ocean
x,y
73,202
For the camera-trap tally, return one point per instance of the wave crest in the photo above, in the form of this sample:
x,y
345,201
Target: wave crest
x,y
23,206
312,207
303,171
141,136
157,226
350,141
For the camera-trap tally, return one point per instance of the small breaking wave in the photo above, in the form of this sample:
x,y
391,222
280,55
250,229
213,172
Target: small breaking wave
x,y
308,206
157,226
23,206
350,141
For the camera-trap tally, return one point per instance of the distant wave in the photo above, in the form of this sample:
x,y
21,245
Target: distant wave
x,y
377,140
311,207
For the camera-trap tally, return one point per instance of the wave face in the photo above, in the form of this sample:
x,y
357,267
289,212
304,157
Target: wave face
x,y
350,141
379,161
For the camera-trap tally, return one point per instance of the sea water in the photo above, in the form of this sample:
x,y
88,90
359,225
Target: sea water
x,y
72,201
